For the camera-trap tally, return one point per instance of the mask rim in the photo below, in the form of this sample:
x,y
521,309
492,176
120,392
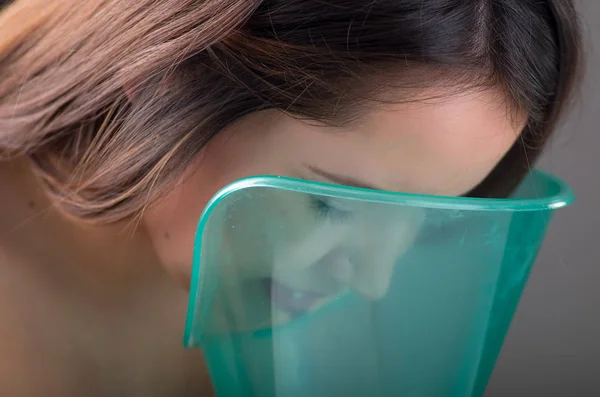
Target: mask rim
x,y
563,196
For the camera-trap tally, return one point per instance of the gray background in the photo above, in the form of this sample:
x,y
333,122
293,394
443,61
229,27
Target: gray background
x,y
553,346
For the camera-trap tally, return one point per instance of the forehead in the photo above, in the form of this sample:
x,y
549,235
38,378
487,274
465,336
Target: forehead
x,y
444,146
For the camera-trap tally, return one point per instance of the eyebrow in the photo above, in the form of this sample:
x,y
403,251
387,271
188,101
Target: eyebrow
x,y
350,181
341,179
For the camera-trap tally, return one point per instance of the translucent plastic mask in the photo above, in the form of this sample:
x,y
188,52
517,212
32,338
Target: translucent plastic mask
x,y
306,289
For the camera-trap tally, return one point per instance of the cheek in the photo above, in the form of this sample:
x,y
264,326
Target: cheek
x,y
258,229
171,224
171,230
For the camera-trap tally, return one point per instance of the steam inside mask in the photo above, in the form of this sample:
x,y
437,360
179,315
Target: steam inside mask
x,y
301,288
299,257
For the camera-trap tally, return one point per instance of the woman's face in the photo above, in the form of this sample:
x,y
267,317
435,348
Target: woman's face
x,y
444,147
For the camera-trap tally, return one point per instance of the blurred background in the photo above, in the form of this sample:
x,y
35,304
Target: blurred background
x,y
553,347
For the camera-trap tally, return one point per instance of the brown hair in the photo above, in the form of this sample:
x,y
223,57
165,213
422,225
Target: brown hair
x,y
67,67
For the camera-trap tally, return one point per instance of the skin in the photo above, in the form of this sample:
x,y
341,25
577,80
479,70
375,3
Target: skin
x,y
99,311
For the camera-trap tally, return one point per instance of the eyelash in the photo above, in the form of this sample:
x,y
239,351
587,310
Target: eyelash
x,y
324,209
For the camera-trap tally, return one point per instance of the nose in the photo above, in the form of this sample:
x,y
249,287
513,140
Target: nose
x,y
382,242
372,277
342,269
368,270
358,255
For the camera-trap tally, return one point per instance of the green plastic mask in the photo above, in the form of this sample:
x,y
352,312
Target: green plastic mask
x,y
306,289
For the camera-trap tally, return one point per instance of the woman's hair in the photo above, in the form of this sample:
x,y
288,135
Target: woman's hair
x,y
111,100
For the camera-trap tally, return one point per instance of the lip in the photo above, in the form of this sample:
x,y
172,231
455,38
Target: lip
x,y
295,302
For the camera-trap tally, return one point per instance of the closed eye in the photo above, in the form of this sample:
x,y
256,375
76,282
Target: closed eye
x,y
326,208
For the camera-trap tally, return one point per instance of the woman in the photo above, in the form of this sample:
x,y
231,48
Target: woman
x,y
120,120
